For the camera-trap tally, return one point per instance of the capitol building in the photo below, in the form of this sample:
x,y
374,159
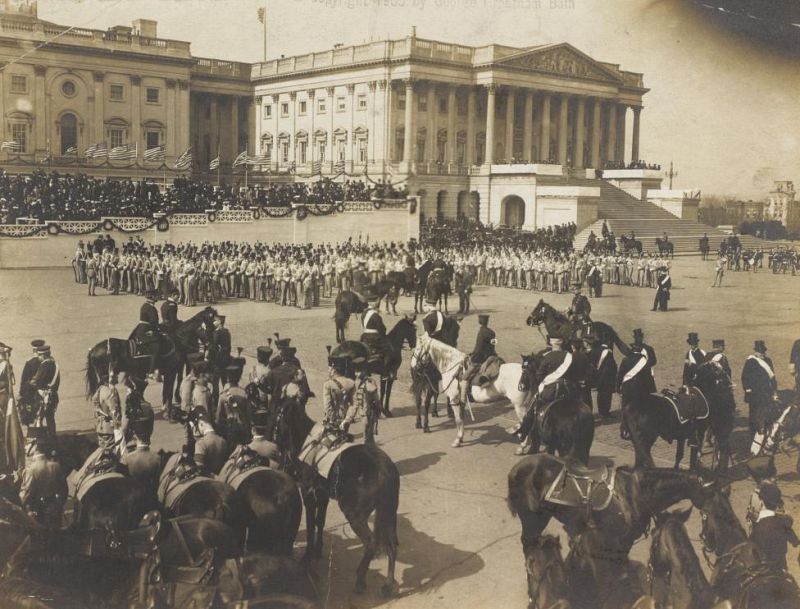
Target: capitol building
x,y
505,134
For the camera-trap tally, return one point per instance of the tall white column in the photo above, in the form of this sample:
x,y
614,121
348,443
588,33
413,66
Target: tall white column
x,y
580,132
637,111
184,114
563,130
527,127
350,155
311,152
544,146
470,144
432,143
510,113
597,119
136,111
40,109
235,148
491,90
408,125
452,112
611,141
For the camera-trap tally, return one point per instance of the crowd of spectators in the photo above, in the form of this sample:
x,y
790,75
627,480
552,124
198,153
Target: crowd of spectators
x,y
53,196
632,165
446,233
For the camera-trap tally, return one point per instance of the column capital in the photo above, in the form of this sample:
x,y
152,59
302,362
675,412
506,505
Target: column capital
x,y
637,109
491,88
183,85
351,88
99,76
410,83
311,93
136,80
372,84
382,84
293,95
257,100
40,69
330,91
171,83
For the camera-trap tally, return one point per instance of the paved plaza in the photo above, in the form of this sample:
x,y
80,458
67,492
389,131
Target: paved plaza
x,y
459,545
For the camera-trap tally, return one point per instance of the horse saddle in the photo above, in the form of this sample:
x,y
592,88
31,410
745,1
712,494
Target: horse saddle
x,y
323,447
176,480
247,462
489,370
147,345
688,403
579,486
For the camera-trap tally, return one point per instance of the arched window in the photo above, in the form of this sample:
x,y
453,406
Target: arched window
x,y
68,131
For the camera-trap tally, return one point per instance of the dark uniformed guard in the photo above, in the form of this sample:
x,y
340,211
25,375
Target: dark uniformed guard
x,y
704,246
717,355
146,333
220,353
552,383
581,308
694,357
772,530
372,322
759,384
605,379
664,285
463,285
142,463
794,364
260,444
27,393
43,491
169,312
46,382
485,343
638,345
635,375
210,449
581,372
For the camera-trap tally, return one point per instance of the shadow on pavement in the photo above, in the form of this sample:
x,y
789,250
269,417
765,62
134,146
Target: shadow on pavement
x,y
420,463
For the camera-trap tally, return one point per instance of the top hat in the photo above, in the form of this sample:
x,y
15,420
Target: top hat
x,y
260,417
637,333
693,339
289,351
760,346
718,343
483,318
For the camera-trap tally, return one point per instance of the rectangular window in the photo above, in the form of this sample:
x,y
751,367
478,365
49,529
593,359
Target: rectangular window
x,y
285,152
152,139
116,93
362,151
321,152
152,94
302,152
116,137
422,103
401,100
340,148
362,102
461,152
268,111
321,106
267,151
442,105
441,148
19,133
284,108
420,151
303,107
341,104
19,83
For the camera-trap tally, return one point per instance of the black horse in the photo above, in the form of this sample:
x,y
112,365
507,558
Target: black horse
x,y
114,355
363,480
567,429
388,360
649,416
676,575
638,494
665,247
559,325
630,245
347,303
548,586
438,286
739,574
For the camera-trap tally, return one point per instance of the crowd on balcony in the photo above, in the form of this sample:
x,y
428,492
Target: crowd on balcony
x,y
632,165
44,196
517,161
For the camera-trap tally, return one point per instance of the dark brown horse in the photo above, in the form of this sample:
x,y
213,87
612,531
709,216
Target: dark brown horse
x,y
548,587
638,495
559,325
363,480
739,574
388,362
347,303
114,355
650,416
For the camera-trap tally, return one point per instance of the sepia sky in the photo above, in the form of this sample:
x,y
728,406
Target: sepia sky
x,y
725,109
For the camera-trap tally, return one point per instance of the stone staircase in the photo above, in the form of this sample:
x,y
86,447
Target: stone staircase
x,y
624,213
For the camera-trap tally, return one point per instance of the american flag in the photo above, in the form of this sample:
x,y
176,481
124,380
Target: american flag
x,y
11,146
339,166
214,164
124,153
258,160
71,150
262,14
97,150
157,153
184,161
241,159
316,167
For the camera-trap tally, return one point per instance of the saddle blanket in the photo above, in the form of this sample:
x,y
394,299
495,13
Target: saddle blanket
x,y
87,482
236,476
579,486
688,406
319,456
171,487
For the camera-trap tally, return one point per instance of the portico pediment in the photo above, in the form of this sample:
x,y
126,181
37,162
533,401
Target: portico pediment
x,y
562,59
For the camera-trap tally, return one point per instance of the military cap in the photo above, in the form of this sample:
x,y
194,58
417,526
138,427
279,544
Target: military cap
x,y
43,349
263,354
282,343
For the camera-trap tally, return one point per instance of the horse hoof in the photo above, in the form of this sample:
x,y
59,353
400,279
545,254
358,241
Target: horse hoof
x,y
456,443
387,591
418,425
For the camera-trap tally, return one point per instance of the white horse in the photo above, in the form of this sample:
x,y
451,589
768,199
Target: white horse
x,y
452,364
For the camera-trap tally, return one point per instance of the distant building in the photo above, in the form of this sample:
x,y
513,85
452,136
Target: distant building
x,y
782,204
744,211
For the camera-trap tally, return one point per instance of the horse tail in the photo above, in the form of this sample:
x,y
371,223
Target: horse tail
x,y
91,375
386,513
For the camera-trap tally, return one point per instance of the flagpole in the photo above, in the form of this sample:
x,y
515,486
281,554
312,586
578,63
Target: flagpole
x,y
265,30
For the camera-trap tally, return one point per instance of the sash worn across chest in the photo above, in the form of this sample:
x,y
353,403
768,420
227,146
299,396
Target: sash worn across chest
x,y
367,316
764,365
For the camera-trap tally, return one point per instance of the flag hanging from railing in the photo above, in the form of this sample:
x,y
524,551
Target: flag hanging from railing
x,y
155,154
11,146
214,164
124,153
96,151
316,167
71,150
184,161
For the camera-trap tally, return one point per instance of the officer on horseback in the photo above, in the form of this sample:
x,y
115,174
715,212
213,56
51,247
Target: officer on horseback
x,y
146,334
485,343
43,490
338,393
581,308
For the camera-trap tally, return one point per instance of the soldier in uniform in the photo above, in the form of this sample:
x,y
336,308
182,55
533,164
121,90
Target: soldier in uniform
x,y
717,355
142,463
46,382
146,333
485,343
265,448
581,308
772,531
552,381
27,394
463,286
759,384
338,393
694,357
581,372
663,285
169,312
43,491
232,399
210,449
108,414
605,377
374,333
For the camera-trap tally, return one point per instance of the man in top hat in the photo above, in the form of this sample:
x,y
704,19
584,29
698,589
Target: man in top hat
x,y
146,333
635,375
581,308
772,531
663,285
694,357
759,384
485,343
232,398
46,382
43,490
604,365
717,355
210,449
